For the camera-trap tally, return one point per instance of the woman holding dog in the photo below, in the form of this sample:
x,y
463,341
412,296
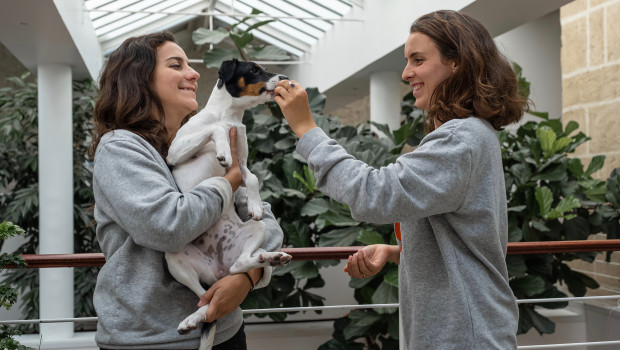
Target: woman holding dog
x,y
146,90
448,195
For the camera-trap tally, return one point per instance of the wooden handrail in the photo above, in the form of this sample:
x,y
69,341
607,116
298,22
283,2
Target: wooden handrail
x,y
334,253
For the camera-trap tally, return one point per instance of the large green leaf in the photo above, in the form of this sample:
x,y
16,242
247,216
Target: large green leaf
x,y
555,172
369,237
544,197
595,165
361,321
337,218
576,281
299,270
565,205
391,276
215,57
529,318
516,265
340,237
315,207
529,285
241,39
268,53
570,127
547,137
385,294
203,36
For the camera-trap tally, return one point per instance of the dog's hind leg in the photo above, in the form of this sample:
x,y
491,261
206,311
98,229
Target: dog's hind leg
x,y
191,322
180,267
251,254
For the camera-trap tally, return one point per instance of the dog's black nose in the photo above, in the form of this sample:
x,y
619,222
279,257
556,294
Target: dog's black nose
x,y
283,77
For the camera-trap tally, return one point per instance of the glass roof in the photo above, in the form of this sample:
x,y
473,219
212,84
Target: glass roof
x,y
299,23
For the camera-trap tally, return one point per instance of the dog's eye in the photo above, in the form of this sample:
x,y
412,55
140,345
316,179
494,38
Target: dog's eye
x,y
254,70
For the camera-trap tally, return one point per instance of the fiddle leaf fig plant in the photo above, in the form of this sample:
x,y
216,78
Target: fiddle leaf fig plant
x,y
551,197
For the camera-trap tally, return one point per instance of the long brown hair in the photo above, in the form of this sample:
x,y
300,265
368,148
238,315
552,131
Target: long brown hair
x,y
126,100
484,84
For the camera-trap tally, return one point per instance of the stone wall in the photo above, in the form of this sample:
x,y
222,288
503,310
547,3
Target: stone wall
x,y
591,97
591,77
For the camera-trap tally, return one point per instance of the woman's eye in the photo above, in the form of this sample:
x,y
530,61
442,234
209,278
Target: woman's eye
x,y
175,66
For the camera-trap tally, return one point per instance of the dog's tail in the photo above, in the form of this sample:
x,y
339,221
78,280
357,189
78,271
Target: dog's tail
x,y
207,335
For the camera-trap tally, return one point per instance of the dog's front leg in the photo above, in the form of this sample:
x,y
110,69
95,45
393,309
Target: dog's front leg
x,y
222,144
187,142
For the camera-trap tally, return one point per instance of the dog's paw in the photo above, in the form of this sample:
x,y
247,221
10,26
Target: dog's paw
x,y
223,162
255,210
225,159
191,322
275,258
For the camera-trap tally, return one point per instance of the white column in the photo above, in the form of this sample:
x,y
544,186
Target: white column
x,y
385,98
55,196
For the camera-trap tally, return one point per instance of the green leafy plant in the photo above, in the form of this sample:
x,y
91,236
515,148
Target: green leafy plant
x,y
8,295
19,179
241,41
551,197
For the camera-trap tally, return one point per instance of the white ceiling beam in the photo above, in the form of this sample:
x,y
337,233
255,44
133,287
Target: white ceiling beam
x,y
40,32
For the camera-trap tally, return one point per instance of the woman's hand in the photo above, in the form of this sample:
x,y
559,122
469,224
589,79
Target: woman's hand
x,y
233,172
369,260
227,294
293,101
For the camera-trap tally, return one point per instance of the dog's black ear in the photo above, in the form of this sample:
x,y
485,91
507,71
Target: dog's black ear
x,y
227,69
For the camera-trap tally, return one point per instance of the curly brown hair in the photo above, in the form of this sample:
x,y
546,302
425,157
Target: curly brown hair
x,y
484,84
126,100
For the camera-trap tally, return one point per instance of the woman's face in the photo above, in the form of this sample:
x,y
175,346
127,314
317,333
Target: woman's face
x,y
425,69
175,84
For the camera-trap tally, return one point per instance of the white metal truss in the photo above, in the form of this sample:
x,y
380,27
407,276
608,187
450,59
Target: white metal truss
x,y
298,23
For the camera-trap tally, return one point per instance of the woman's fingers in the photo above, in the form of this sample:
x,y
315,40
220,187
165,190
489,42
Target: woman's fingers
x,y
357,267
362,264
233,172
233,147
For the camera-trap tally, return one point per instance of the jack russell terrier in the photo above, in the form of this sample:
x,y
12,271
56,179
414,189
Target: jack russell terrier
x,y
201,150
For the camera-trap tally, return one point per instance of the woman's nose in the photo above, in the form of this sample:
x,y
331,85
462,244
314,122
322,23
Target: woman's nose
x,y
407,73
193,75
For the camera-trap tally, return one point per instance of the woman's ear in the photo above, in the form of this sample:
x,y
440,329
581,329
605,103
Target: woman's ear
x,y
454,66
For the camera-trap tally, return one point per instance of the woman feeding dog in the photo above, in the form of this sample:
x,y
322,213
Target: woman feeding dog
x,y
448,195
146,90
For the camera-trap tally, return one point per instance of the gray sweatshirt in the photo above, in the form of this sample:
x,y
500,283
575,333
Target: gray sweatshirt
x,y
140,215
449,196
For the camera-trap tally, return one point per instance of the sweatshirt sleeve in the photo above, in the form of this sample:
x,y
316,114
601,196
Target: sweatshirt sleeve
x,y
428,181
137,193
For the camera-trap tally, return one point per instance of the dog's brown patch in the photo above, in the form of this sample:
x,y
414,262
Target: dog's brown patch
x,y
250,89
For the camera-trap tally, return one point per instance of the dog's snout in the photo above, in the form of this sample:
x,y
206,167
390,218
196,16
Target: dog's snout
x,y
283,77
